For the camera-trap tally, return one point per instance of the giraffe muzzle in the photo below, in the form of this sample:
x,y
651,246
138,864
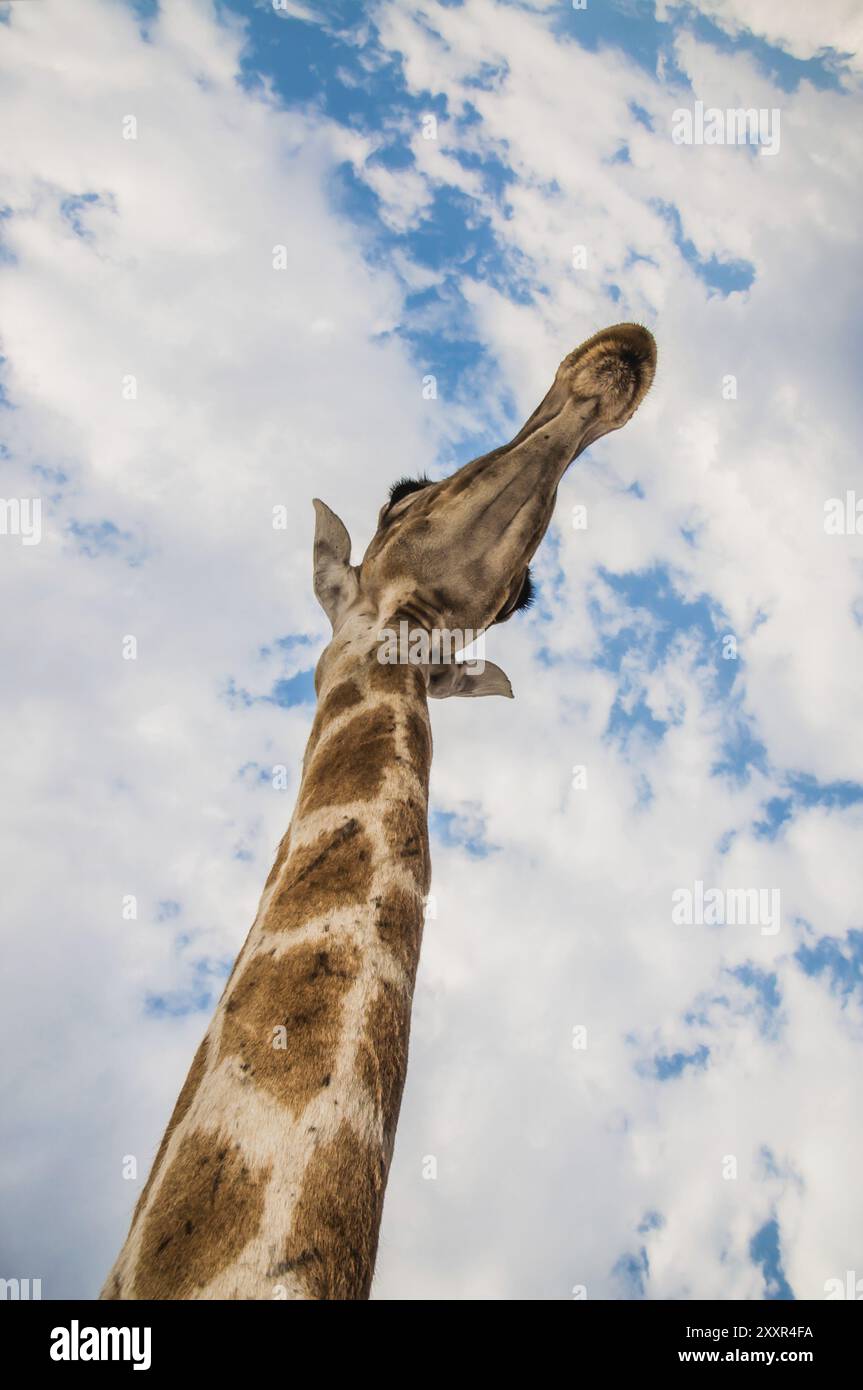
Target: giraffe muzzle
x,y
509,494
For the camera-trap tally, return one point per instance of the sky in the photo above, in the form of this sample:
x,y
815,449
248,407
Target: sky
x,y
250,255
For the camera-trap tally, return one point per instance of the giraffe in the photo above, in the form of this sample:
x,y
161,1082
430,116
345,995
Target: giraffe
x,y
269,1181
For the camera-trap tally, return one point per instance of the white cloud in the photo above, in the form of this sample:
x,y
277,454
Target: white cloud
x,y
804,31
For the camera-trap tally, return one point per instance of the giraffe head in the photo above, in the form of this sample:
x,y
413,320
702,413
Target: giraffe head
x,y
453,555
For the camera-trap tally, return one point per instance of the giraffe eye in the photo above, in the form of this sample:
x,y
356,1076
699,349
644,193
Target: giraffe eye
x,y
403,486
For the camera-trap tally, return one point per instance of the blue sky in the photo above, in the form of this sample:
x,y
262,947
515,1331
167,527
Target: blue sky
x,y
694,647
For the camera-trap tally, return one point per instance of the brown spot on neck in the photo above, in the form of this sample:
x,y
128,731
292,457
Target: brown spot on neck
x,y
181,1109
302,992
382,1057
405,825
419,745
334,871
334,1236
399,924
209,1207
351,765
396,679
344,696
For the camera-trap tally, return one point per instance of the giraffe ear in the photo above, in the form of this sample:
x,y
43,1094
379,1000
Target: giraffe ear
x,y
462,678
335,579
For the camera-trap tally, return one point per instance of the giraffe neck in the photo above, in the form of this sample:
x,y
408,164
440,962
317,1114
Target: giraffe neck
x,y
269,1182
